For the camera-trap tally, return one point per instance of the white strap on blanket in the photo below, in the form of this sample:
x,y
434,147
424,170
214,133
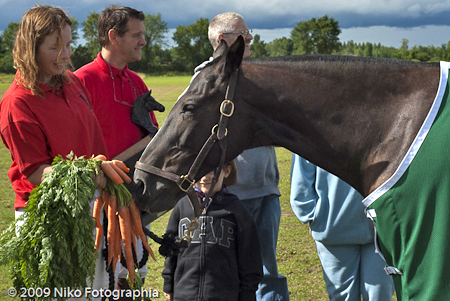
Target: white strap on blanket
x,y
390,270
420,137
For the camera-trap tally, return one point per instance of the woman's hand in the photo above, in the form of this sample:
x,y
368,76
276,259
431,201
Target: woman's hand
x,y
100,180
38,176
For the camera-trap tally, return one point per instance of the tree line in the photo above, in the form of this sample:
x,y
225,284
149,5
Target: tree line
x,y
192,47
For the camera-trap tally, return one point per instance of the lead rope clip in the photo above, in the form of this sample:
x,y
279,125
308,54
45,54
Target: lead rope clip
x,y
192,226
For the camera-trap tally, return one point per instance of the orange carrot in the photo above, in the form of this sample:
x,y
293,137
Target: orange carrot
x,y
111,173
125,230
96,213
112,209
136,218
121,173
121,165
133,236
100,157
105,197
118,239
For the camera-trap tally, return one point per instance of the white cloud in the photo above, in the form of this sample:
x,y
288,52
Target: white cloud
x,y
261,11
366,7
414,10
362,20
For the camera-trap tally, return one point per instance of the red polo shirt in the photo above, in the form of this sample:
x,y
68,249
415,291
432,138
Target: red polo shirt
x,y
36,130
113,107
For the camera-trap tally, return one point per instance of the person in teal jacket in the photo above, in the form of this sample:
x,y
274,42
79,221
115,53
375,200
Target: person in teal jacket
x,y
344,236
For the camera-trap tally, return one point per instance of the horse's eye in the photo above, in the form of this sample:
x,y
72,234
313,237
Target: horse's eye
x,y
189,108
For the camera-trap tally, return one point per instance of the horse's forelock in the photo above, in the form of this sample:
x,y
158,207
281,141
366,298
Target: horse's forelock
x,y
204,83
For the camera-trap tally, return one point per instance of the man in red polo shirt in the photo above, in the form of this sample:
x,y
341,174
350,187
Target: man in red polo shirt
x,y
114,88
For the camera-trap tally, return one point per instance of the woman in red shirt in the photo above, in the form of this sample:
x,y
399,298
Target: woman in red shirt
x,y
46,111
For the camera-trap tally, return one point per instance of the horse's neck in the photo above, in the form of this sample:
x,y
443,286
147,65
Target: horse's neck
x,y
357,125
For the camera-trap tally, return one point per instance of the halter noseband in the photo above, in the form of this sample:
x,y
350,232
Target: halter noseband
x,y
218,134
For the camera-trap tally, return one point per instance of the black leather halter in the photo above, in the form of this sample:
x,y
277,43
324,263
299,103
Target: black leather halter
x,y
218,134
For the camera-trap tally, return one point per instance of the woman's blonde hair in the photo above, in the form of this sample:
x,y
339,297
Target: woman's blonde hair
x,y
36,24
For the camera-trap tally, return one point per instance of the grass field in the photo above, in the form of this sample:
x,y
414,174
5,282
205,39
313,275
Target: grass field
x,y
296,253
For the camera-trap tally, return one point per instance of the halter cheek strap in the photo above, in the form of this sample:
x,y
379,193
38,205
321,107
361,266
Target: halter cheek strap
x,y
218,134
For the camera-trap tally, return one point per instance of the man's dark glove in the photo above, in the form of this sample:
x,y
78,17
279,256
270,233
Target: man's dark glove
x,y
140,116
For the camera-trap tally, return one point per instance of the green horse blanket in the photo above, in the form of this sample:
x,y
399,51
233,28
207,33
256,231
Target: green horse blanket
x,y
411,210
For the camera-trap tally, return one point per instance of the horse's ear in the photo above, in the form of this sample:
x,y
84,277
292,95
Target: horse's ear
x,y
221,49
235,54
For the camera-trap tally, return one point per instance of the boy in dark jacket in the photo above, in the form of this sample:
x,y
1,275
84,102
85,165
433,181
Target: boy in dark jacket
x,y
223,260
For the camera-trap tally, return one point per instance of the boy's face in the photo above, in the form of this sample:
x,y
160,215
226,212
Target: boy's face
x,y
205,182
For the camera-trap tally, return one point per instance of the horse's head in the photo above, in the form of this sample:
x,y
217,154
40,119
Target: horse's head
x,y
186,129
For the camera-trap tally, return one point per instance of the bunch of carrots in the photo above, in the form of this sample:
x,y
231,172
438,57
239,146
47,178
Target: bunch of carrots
x,y
124,219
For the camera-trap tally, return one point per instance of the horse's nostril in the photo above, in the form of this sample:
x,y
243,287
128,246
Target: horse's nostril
x,y
138,188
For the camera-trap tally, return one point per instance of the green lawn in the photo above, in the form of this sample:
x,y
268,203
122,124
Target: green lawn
x,y
296,253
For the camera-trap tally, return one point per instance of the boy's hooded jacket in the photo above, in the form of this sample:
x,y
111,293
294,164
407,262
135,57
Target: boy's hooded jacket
x,y
223,260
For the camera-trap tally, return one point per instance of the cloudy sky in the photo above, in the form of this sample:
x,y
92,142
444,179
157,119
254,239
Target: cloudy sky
x,y
422,22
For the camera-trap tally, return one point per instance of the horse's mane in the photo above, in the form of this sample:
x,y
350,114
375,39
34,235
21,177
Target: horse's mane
x,y
340,59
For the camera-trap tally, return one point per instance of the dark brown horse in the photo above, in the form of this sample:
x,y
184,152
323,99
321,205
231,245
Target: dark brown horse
x,y
355,117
